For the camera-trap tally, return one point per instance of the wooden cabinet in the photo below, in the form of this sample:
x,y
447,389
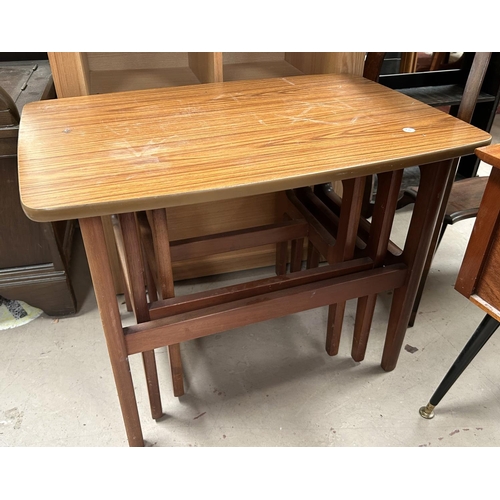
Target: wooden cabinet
x,y
84,73
34,258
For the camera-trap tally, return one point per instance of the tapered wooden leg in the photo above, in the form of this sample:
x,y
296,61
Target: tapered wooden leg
x,y
484,331
345,245
166,289
100,270
433,246
420,233
362,326
334,327
133,256
380,231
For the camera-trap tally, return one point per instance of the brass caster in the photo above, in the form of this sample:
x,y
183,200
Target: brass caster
x,y
427,411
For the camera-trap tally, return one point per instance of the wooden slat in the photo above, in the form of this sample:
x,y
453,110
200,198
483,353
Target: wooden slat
x,y
443,95
188,326
237,240
199,300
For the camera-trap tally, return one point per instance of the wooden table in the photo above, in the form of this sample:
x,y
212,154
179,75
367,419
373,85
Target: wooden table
x,y
87,157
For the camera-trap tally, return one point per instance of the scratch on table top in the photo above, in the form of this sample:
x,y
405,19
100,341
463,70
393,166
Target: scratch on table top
x,y
150,148
288,81
299,119
222,96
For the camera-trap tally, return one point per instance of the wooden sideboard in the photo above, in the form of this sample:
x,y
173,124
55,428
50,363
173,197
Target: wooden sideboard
x,y
34,257
86,73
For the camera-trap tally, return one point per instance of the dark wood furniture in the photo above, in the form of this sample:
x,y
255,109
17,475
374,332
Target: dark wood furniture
x,y
446,87
123,153
463,203
322,204
478,279
471,94
34,257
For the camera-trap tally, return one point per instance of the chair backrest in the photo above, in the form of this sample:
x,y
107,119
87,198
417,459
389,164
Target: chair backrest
x,y
473,86
373,65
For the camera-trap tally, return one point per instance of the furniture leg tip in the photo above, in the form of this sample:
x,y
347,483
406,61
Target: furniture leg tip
x,y
427,412
157,415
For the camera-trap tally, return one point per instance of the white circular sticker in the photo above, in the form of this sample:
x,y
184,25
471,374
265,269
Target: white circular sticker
x,y
409,130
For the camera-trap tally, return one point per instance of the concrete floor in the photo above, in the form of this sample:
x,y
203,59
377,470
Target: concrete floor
x,y
271,384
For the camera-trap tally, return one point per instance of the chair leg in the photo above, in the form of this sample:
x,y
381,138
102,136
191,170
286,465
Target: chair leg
x,y
484,331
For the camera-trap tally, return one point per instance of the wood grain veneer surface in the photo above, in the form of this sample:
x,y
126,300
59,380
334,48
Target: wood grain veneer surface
x,y
120,152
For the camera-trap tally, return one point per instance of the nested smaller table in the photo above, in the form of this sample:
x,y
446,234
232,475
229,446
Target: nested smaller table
x,y
144,151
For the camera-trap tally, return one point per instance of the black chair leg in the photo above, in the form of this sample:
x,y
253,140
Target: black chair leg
x,y
483,332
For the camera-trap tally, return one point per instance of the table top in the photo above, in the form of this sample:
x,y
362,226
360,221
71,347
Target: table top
x,y
121,152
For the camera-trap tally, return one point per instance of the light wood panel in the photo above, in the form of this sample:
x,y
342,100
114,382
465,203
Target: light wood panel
x,y
254,65
102,82
123,71
124,61
149,149
207,66
70,72
327,62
